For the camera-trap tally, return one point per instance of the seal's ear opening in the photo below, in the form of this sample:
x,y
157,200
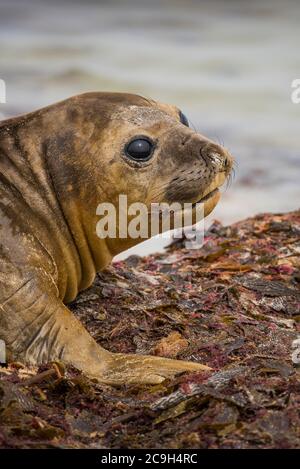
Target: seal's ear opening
x,y
183,119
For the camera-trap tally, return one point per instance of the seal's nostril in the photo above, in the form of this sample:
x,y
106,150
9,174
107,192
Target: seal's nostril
x,y
216,158
212,155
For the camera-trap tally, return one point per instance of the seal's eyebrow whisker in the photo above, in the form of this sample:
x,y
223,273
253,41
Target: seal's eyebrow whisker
x,y
149,100
193,126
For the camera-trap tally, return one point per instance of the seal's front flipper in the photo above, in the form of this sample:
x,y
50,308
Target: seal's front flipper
x,y
145,369
39,328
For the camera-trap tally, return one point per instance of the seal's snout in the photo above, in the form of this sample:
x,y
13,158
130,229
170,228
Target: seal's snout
x,y
217,157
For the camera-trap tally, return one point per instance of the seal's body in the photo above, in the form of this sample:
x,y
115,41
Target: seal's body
x,y
56,165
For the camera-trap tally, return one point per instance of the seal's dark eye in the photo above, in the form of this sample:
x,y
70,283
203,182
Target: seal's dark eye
x,y
183,119
139,149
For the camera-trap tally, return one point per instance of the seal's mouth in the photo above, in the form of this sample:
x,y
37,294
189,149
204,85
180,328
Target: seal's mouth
x,y
206,197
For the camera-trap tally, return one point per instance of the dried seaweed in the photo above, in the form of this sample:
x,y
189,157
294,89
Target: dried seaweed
x,y
234,305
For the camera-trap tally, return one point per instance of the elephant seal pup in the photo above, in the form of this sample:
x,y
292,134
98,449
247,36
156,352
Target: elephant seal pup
x,y
56,165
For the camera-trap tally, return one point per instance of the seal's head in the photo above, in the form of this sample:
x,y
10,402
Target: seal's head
x,y
112,144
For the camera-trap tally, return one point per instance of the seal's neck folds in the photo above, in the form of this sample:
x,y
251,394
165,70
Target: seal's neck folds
x,y
25,169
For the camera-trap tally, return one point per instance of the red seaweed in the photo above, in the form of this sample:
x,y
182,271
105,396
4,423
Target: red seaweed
x,y
234,305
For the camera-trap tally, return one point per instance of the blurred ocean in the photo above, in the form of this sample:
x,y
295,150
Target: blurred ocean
x,y
227,64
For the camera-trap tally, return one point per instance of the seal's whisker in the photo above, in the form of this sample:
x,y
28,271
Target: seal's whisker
x,y
176,185
176,181
230,179
219,141
228,182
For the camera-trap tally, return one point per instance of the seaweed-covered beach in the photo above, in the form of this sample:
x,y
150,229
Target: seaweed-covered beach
x,y
234,305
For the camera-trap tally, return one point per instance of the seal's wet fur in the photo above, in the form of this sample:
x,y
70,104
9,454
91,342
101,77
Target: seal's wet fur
x,y
56,165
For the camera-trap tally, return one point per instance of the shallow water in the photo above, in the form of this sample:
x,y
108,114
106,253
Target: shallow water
x,y
228,65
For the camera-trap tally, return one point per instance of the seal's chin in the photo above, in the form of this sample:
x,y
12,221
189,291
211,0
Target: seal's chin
x,y
206,201
207,197
201,208
212,195
209,201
